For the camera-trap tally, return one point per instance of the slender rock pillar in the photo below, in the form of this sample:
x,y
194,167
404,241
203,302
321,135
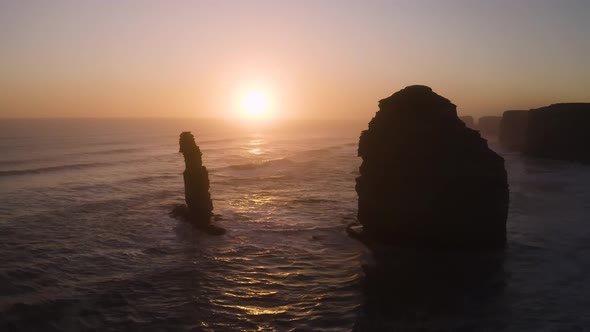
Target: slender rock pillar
x,y
196,181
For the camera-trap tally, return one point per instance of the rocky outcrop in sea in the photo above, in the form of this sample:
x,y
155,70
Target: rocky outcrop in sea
x,y
513,128
559,131
199,207
489,126
427,180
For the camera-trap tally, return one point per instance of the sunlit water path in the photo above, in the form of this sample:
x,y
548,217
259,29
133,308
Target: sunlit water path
x,y
86,242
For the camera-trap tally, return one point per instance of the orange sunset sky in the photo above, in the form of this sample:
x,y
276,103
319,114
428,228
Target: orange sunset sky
x,y
308,58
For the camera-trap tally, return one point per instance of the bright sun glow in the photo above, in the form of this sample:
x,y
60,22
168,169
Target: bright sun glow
x,y
255,104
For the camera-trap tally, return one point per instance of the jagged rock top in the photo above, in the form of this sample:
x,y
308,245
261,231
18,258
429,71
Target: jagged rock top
x,y
418,118
418,99
566,107
189,148
428,180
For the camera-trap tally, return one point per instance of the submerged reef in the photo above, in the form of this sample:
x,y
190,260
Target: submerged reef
x,y
559,131
427,180
199,207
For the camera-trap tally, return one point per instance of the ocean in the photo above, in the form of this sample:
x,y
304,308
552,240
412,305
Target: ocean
x,y
87,243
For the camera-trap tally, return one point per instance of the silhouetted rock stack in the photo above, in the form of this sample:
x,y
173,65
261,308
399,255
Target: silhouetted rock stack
x,y
468,120
426,179
489,126
513,129
199,207
559,131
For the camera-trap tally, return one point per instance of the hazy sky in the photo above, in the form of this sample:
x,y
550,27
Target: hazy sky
x,y
313,58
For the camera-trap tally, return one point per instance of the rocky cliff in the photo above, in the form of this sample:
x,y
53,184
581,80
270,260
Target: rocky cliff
x,y
559,131
426,179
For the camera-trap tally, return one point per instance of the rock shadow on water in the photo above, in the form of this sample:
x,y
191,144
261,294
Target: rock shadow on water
x,y
408,289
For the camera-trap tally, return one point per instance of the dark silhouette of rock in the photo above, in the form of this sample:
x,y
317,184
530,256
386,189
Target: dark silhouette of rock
x,y
468,120
199,207
489,126
426,179
513,129
559,131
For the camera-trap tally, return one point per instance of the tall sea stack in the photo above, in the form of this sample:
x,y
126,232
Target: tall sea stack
x,y
489,126
426,179
513,129
196,181
199,207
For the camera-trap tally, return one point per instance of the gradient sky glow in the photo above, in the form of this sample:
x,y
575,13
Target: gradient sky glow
x,y
315,58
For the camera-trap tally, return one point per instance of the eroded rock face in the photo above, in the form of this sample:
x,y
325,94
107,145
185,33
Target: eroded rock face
x,y
513,129
196,181
426,179
559,131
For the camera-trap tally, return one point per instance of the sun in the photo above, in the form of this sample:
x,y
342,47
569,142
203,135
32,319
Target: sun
x,y
255,103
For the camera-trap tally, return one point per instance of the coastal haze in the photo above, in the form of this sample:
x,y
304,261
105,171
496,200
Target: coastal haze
x,y
326,58
347,194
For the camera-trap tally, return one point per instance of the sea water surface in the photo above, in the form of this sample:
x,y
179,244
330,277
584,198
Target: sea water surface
x,y
86,242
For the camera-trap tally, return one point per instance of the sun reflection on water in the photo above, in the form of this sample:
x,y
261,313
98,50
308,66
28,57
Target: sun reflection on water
x,y
254,310
256,151
256,142
254,146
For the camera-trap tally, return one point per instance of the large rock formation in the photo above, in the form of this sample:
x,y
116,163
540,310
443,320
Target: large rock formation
x,y
489,126
559,131
513,129
199,207
426,179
